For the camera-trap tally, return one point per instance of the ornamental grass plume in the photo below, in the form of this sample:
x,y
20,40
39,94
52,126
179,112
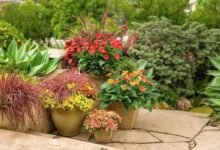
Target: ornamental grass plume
x,y
102,119
18,98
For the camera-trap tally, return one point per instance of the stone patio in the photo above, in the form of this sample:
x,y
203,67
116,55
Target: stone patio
x,y
158,130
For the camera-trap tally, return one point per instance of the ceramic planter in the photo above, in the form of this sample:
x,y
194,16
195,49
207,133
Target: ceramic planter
x,y
128,119
40,122
98,80
102,136
68,123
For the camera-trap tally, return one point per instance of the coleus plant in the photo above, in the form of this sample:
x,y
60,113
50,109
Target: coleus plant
x,y
28,58
98,54
102,119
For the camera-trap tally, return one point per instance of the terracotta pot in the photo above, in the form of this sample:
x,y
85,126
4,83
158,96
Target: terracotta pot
x,y
102,136
98,80
41,122
68,123
128,119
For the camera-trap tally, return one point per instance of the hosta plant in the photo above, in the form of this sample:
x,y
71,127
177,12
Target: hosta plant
x,y
68,90
98,54
102,119
17,98
28,58
133,88
213,89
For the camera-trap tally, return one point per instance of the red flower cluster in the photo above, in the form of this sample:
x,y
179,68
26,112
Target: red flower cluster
x,y
96,44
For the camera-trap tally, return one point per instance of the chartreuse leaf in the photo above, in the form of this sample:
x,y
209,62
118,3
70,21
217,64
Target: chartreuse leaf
x,y
215,61
37,69
51,66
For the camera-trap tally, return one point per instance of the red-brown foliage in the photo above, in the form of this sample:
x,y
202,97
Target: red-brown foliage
x,y
17,98
59,85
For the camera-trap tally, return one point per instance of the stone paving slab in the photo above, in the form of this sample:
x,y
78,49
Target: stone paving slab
x,y
169,138
208,140
155,146
167,121
210,128
133,136
20,141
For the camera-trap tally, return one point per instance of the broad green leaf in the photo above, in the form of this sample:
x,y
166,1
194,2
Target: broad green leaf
x,y
22,52
36,70
51,66
215,61
12,50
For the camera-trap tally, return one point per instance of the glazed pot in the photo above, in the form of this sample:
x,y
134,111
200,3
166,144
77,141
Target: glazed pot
x,y
128,119
98,80
40,122
102,136
68,123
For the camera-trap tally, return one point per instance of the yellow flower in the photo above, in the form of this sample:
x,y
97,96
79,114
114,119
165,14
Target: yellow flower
x,y
70,86
124,87
89,87
110,81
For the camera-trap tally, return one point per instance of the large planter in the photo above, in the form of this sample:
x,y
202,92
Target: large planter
x,y
128,119
40,122
68,123
98,80
102,136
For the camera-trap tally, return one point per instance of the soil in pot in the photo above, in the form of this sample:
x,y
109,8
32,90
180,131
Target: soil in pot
x,y
128,119
68,123
102,136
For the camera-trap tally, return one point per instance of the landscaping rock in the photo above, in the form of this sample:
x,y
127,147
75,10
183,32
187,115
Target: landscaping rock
x,y
155,146
208,140
169,138
133,136
167,121
56,53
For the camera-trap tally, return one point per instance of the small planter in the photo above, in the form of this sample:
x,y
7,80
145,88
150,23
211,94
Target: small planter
x,y
102,136
68,123
128,119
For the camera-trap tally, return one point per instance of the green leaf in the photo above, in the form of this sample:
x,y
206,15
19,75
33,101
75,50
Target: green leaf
x,y
215,61
37,69
51,66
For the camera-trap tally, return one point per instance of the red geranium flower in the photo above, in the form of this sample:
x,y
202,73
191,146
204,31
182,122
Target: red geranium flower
x,y
117,56
106,57
102,50
92,50
98,35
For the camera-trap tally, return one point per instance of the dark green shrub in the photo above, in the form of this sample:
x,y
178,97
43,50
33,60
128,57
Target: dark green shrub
x,y
30,18
178,54
7,33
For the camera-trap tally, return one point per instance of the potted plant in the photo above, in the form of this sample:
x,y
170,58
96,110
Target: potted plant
x,y
20,105
127,91
69,96
102,123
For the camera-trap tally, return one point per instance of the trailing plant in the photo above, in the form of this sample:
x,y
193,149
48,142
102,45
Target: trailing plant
x,y
69,89
102,119
133,89
178,54
28,58
8,33
18,98
213,89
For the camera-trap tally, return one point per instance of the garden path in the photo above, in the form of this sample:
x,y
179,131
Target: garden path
x,y
157,130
